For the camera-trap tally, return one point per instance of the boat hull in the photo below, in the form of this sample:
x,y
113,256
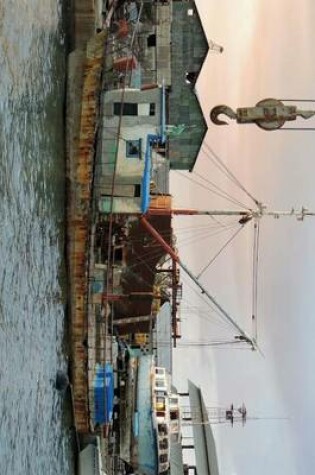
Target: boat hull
x,y
143,424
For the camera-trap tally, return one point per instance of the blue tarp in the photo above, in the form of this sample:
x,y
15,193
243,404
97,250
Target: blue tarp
x,y
151,139
103,394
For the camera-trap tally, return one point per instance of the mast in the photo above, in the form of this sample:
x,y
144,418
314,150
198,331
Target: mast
x,y
245,217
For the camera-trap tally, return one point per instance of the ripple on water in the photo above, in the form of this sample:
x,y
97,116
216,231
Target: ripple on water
x,y
34,438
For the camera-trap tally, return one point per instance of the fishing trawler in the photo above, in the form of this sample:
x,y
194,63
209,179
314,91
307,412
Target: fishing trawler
x,y
132,116
128,123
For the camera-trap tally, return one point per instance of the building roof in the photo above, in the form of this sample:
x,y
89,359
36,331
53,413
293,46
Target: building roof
x,y
188,52
205,450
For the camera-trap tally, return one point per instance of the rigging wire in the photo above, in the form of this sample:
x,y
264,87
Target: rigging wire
x,y
214,309
224,169
186,240
200,344
219,252
220,189
221,194
207,317
154,253
210,343
186,234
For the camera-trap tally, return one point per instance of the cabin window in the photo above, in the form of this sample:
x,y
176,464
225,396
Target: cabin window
x,y
174,415
160,413
151,40
118,254
162,428
133,148
163,458
163,444
152,108
146,109
137,192
134,109
160,394
126,108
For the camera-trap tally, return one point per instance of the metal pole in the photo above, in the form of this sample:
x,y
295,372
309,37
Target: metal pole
x,y
297,100
297,128
193,212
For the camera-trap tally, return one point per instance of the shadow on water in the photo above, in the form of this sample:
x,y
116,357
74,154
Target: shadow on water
x,y
67,406
68,32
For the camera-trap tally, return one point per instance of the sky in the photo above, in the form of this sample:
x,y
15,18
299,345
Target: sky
x,y
267,53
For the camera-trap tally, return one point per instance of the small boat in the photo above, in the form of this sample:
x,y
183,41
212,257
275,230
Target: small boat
x,y
150,420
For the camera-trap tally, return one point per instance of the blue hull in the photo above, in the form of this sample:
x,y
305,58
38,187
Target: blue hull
x,y
144,431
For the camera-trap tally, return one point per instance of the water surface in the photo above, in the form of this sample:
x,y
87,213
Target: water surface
x,y
35,434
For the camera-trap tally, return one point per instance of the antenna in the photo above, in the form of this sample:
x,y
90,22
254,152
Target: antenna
x,y
214,415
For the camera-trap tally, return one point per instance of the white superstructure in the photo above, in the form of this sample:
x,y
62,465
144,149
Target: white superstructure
x,y
166,416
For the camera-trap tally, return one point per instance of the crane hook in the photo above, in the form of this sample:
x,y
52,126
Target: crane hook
x,y
222,109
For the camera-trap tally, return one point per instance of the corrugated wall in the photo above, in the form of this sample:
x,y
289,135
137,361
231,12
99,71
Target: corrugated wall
x,y
189,49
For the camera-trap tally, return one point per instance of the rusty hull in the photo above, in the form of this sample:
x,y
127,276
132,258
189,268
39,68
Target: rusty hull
x,y
84,83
